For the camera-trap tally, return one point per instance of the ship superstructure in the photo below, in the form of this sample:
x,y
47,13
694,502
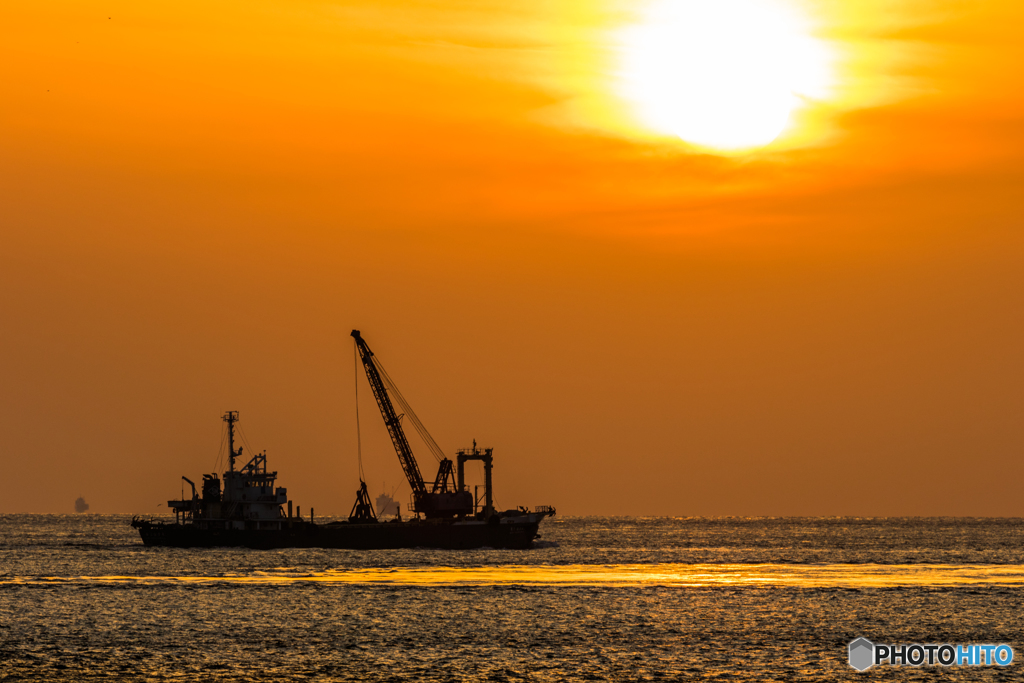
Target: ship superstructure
x,y
248,499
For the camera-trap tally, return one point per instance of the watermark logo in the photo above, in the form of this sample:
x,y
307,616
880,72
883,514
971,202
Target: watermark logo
x,y
864,654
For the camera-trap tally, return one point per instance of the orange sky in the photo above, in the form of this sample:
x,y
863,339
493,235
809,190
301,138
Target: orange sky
x,y
198,201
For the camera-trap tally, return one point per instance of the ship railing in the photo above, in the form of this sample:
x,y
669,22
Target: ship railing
x,y
544,509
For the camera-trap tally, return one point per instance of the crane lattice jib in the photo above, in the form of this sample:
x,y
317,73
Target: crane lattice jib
x,y
387,411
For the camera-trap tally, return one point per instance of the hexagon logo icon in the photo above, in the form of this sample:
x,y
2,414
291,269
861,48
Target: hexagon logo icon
x,y
862,654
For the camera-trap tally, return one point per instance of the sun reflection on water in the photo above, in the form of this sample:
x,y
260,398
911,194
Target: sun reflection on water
x,y
635,575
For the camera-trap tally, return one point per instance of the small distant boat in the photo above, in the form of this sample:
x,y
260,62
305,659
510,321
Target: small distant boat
x,y
246,508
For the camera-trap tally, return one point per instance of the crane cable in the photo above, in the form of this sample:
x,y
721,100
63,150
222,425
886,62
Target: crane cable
x,y
425,436
359,438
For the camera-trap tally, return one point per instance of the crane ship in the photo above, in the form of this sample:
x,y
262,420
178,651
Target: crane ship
x,y
244,508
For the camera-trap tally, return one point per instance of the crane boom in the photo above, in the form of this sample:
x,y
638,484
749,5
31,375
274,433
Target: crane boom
x,y
443,499
394,425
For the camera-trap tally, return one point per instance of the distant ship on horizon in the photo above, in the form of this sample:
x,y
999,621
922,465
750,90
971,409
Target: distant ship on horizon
x,y
386,505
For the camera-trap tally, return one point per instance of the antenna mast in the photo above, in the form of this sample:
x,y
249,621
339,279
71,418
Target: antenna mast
x,y
231,417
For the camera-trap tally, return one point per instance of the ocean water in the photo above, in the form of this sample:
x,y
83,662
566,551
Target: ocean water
x,y
617,599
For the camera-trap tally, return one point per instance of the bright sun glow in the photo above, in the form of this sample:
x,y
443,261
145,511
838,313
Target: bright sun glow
x,y
721,74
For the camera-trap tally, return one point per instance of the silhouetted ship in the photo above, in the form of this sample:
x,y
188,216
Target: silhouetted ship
x,y
245,509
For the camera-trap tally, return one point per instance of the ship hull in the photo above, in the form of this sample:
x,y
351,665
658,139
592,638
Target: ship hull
x,y
345,535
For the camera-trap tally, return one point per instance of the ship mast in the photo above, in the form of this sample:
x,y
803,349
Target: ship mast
x,y
231,417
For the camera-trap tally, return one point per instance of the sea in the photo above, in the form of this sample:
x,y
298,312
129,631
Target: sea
x,y
596,599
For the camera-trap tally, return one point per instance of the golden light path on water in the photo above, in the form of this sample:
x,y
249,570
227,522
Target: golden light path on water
x,y
626,575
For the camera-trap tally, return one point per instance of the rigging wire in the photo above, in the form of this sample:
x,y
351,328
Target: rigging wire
x,y
220,450
427,439
359,438
245,441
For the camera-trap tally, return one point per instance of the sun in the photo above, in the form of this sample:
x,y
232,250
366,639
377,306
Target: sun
x,y
723,75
